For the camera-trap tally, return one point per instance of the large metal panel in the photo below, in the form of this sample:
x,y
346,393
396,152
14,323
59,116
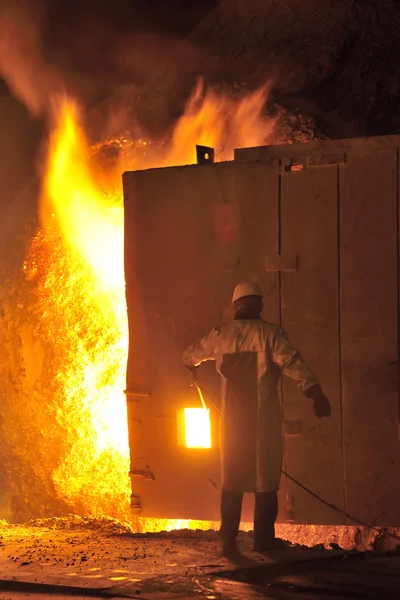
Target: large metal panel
x,y
177,274
310,315
189,239
369,334
191,234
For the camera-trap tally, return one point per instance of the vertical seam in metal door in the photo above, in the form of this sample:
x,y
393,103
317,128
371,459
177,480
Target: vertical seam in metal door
x,y
398,284
280,245
280,311
340,339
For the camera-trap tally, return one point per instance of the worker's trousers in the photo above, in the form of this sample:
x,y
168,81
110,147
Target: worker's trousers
x,y
265,513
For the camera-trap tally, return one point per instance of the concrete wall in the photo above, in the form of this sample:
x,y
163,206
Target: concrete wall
x,y
317,225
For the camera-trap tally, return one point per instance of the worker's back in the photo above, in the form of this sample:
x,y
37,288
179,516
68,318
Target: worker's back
x,y
240,349
243,336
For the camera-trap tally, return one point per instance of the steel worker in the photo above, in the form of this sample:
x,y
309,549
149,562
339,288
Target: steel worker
x,y
250,354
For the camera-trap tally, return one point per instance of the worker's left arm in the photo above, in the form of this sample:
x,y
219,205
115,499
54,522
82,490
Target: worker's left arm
x,y
288,359
202,351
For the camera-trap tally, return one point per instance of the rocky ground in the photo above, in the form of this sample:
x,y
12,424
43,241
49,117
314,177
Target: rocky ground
x,y
104,558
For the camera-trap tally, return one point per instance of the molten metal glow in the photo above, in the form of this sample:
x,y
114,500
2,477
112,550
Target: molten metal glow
x,y
89,221
197,428
79,256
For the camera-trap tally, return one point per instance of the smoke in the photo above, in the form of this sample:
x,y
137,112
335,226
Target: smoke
x,y
29,79
128,80
153,76
30,82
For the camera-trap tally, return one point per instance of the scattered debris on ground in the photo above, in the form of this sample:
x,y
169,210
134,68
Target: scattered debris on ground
x,y
79,556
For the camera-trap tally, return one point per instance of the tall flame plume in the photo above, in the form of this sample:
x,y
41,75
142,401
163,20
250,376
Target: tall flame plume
x,y
75,266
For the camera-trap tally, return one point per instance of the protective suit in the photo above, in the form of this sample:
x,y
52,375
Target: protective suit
x,y
250,354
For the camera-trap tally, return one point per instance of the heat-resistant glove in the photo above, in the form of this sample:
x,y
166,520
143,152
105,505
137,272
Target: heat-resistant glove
x,y
321,404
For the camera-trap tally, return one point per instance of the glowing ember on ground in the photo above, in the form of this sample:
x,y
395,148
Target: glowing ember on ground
x,y
75,267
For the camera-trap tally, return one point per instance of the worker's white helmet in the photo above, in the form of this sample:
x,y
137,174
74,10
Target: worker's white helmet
x,y
246,288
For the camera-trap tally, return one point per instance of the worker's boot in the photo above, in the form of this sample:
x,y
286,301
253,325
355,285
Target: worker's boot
x,y
229,548
266,510
231,506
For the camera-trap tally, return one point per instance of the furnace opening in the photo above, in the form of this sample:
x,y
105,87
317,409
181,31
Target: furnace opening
x,y
194,428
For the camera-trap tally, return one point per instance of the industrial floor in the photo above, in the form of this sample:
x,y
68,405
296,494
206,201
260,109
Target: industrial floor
x,y
83,558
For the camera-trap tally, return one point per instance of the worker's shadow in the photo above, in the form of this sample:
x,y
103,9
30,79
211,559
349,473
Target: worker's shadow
x,y
243,561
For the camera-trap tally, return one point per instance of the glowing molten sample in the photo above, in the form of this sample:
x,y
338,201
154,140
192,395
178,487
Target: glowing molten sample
x,y
194,429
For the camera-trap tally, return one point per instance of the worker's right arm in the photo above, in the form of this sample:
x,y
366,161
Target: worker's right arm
x,y
202,350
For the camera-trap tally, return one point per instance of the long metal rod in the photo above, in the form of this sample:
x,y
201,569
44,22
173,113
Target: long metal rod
x,y
196,384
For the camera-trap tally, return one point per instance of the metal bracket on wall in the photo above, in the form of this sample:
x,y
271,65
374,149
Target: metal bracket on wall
x,y
141,473
205,155
302,163
135,396
282,262
136,504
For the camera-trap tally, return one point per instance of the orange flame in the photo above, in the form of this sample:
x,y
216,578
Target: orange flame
x,y
209,119
218,121
91,224
88,220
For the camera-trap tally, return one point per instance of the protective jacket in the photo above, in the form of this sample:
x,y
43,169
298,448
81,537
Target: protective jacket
x,y
250,354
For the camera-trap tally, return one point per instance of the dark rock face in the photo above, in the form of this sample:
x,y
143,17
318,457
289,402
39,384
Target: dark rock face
x,y
339,57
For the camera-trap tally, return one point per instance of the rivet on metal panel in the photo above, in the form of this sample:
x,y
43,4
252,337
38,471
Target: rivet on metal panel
x,y
291,427
141,473
281,262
